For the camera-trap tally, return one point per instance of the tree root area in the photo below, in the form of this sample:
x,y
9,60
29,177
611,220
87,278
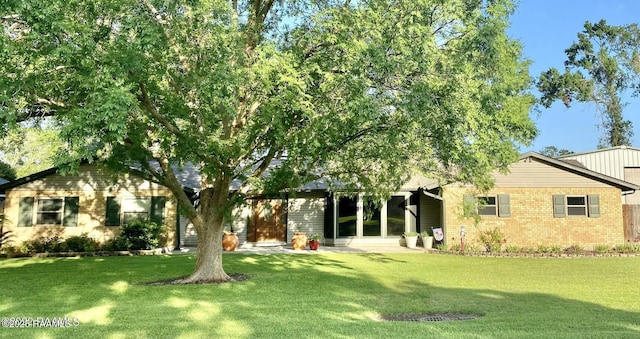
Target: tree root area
x,y
235,277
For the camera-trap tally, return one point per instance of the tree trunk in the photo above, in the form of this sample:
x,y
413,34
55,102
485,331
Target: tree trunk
x,y
209,261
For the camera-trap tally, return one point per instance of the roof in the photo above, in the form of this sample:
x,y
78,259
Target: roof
x,y
581,170
610,161
600,150
573,162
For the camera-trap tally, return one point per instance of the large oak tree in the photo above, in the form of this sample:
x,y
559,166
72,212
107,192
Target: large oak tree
x,y
358,93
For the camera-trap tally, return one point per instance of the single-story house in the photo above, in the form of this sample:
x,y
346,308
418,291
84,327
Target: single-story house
x,y
540,201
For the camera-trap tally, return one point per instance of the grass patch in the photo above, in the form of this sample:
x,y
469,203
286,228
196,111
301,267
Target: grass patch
x,y
326,295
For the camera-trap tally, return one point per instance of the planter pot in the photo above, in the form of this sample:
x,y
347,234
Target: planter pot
x,y
411,241
314,244
229,241
299,241
427,242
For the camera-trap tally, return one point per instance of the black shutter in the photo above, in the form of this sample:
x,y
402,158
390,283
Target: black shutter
x,y
113,212
25,217
71,206
157,209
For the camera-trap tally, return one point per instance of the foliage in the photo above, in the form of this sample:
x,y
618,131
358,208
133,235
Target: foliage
x,y
544,249
512,249
602,249
554,152
410,234
45,244
556,249
425,234
574,249
140,235
81,243
492,239
315,237
628,247
600,67
115,244
6,171
30,149
420,86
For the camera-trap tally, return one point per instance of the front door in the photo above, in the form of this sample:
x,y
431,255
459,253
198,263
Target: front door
x,y
268,222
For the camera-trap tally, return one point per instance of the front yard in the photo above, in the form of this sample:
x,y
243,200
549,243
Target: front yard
x,y
327,296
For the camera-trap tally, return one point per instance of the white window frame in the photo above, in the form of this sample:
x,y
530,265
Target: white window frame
x,y
37,212
584,206
482,206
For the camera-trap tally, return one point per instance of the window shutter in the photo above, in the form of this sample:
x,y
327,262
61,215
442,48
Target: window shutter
x,y
594,205
469,205
25,217
559,210
113,212
157,209
504,206
71,206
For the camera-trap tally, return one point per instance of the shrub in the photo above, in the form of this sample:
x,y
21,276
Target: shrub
x,y
492,240
574,249
544,249
115,244
601,249
141,235
44,245
512,249
556,249
81,243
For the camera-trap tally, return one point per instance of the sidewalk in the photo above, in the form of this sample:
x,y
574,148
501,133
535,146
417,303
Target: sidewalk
x,y
322,249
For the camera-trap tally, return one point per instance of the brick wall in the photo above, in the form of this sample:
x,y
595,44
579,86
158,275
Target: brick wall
x,y
532,222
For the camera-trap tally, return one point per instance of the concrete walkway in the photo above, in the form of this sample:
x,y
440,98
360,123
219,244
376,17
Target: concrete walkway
x,y
322,249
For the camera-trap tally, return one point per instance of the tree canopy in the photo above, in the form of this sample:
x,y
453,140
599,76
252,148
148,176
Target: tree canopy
x,y
6,171
361,93
554,152
600,68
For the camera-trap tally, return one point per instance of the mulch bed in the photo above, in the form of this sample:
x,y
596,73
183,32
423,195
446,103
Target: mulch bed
x,y
173,281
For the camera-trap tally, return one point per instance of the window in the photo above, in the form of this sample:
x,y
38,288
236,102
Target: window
x,y
46,211
347,217
487,205
395,215
125,210
371,225
576,205
490,205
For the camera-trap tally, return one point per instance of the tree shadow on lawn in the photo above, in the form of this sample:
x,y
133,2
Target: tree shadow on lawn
x,y
110,298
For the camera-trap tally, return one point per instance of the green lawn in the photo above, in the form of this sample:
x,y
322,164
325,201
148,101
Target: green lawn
x,y
327,296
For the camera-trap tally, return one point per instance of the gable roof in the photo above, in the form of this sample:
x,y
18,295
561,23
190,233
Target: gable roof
x,y
583,171
54,170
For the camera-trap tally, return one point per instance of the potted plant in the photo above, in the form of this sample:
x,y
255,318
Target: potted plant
x,y
314,241
299,240
411,239
427,240
229,240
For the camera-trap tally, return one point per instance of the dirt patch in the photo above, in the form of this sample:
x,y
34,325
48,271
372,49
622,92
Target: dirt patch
x,y
178,281
429,317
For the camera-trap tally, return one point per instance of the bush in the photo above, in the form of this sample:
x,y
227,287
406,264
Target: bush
x,y
574,249
141,235
492,240
602,249
116,244
44,245
81,243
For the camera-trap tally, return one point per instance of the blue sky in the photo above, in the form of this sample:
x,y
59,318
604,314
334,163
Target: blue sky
x,y
546,28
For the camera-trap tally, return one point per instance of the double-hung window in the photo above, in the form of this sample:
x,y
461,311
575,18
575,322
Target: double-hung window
x,y
48,211
124,210
576,206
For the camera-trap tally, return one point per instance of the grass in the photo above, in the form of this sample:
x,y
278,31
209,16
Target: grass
x,y
326,296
